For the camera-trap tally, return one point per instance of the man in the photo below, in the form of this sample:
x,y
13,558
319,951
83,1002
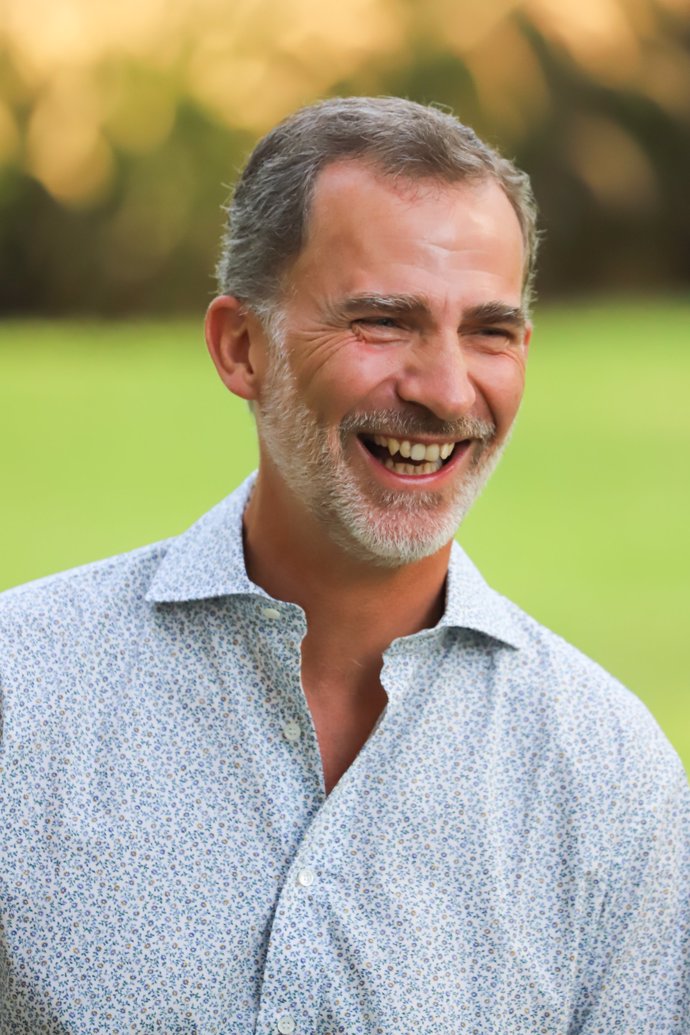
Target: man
x,y
300,769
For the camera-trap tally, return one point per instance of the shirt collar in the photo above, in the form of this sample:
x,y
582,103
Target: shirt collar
x,y
207,561
472,604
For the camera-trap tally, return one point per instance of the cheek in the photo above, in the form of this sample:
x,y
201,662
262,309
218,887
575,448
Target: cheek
x,y
501,382
354,375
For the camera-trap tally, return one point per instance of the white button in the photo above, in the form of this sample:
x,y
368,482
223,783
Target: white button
x,y
286,1024
270,612
306,877
292,731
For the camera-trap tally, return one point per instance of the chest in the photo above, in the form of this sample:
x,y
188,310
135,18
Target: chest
x,y
170,863
343,721
212,923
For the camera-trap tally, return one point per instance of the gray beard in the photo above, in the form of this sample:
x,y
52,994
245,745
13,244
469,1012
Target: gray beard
x,y
382,527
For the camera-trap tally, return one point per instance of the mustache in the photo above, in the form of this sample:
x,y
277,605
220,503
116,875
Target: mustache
x,y
405,424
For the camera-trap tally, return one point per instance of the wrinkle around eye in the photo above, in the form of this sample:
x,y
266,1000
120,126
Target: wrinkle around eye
x,y
492,339
376,331
318,347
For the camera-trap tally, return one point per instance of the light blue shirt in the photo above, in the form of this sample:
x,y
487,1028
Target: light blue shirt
x,y
508,854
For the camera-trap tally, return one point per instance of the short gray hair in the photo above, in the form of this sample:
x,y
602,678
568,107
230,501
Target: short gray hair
x,y
269,210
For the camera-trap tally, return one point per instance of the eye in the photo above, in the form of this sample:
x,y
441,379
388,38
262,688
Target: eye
x,y
379,330
494,338
496,332
378,321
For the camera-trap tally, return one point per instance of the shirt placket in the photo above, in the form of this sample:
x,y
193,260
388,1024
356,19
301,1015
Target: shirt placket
x,y
295,967
283,1008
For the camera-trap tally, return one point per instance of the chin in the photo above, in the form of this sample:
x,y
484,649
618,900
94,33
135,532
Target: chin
x,y
391,536
392,528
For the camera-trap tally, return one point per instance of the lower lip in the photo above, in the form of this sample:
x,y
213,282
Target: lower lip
x,y
424,481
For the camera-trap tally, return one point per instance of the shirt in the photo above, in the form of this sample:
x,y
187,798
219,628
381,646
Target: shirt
x,y
507,854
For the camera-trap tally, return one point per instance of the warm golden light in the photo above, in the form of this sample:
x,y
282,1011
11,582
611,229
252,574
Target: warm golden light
x,y
65,148
611,163
513,91
104,77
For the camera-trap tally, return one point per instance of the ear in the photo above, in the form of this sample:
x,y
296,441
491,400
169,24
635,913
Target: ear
x,y
232,340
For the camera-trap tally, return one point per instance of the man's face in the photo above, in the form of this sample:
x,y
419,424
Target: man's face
x,y
401,360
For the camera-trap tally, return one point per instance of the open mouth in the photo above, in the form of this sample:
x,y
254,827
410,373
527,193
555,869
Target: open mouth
x,y
406,456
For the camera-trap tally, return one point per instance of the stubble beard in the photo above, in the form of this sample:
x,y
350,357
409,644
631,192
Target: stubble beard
x,y
375,525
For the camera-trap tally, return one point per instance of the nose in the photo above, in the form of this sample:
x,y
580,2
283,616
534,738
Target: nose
x,y
437,376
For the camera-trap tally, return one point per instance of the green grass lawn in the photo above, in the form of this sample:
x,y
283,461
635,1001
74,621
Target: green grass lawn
x,y
114,435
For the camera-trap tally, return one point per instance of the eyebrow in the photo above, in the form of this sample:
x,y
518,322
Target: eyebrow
x,y
494,312
381,303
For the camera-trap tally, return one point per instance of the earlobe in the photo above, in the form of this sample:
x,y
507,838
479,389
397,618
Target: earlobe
x,y
229,337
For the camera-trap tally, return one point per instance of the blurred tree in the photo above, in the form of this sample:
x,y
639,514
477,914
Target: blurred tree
x,y
121,127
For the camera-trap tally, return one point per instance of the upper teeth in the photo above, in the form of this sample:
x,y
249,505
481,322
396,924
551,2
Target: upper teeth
x,y
415,450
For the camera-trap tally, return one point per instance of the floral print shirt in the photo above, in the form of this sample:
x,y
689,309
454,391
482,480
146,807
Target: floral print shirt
x,y
509,854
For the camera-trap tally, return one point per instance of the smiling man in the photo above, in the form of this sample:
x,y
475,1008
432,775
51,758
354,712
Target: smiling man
x,y
385,381
300,770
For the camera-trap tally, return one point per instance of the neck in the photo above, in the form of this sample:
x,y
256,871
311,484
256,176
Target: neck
x,y
290,555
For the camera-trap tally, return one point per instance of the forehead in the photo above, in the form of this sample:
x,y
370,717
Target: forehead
x,y
365,225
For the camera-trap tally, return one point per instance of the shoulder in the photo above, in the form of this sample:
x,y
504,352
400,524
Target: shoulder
x,y
73,603
601,730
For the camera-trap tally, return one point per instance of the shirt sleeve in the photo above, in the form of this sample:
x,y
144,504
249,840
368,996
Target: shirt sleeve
x,y
637,967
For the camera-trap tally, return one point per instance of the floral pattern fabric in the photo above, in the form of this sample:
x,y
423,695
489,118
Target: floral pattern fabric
x,y
509,854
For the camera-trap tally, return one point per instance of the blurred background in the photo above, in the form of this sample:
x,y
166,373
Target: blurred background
x,y
121,123
122,126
